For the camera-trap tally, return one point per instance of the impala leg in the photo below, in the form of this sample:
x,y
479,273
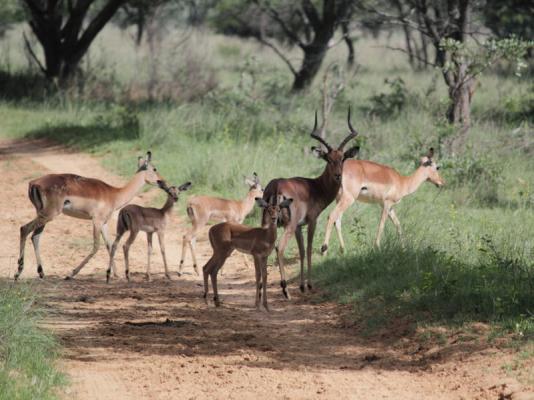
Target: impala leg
x,y
112,257
381,225
219,262
335,219
149,253
206,270
161,240
263,265
193,254
396,222
35,240
97,228
24,232
257,268
309,250
126,249
109,244
280,255
185,240
302,253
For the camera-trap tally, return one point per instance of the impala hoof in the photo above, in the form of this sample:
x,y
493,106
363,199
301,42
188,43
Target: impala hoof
x,y
324,249
302,288
179,274
69,278
40,271
168,277
309,286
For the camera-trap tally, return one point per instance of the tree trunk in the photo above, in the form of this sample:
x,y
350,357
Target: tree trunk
x,y
313,58
349,43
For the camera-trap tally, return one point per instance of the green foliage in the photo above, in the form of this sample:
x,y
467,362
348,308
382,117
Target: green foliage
x,y
11,12
480,58
390,104
511,17
27,352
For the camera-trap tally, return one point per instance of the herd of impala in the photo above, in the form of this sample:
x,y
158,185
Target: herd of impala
x,y
287,202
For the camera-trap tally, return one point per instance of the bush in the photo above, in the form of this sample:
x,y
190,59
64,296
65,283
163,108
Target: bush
x,y
389,104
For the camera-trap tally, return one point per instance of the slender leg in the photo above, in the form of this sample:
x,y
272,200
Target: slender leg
x,y
108,243
263,266
193,254
219,262
24,232
161,240
35,240
257,267
149,252
280,255
309,250
396,222
185,240
302,253
381,224
335,218
126,249
206,270
112,256
97,227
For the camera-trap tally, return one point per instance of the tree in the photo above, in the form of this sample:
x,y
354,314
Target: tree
x,y
65,31
301,24
448,26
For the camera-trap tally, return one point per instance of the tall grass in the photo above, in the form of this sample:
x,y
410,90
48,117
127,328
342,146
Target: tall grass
x,y
27,352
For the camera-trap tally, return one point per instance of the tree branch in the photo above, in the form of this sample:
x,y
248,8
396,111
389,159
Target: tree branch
x,y
426,62
32,53
293,36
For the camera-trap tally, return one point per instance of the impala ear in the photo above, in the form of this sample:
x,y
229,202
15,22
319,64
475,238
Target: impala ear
x,y
352,152
184,187
261,203
318,152
248,181
148,156
286,203
140,162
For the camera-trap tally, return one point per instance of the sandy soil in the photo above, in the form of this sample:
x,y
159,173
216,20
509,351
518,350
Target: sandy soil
x,y
159,340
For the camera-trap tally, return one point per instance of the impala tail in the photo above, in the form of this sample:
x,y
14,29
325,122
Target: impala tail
x,y
34,193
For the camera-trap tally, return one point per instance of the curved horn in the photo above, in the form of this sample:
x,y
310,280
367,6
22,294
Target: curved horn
x,y
319,138
352,135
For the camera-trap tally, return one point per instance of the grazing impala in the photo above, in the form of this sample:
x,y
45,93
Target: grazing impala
x,y
310,198
227,237
135,218
370,182
80,197
202,209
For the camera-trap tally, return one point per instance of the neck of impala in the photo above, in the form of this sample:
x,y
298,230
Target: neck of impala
x,y
412,182
169,204
329,186
127,192
247,204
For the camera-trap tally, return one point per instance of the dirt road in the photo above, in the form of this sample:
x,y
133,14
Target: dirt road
x,y
159,340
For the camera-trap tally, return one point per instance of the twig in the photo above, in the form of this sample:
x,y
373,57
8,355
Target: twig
x,y
32,53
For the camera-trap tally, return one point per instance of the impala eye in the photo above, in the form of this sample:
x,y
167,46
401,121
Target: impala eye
x,y
155,170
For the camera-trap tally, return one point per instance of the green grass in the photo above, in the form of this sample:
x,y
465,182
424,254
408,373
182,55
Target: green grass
x,y
469,248
27,351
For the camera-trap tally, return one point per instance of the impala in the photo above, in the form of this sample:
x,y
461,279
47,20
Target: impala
x,y
135,218
201,209
259,242
80,197
310,198
370,182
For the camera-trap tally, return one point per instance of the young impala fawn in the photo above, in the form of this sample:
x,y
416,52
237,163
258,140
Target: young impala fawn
x,y
259,242
80,197
201,209
370,182
135,218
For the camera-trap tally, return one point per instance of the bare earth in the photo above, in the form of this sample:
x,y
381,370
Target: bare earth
x,y
159,340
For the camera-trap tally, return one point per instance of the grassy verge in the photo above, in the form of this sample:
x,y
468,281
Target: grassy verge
x,y
27,352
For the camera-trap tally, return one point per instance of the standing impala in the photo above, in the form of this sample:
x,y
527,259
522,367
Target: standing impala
x,y
201,209
80,197
135,218
227,237
310,198
370,182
